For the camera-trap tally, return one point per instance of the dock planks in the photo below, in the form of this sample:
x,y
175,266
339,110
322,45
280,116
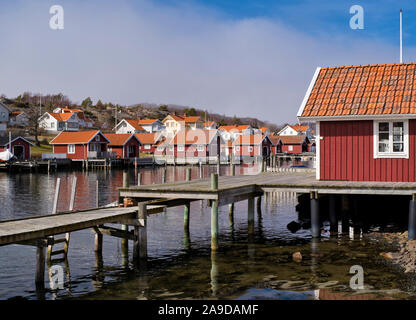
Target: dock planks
x,y
13,231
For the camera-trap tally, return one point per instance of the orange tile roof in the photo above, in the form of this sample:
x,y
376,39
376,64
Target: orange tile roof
x,y
249,139
118,139
234,127
208,123
274,139
15,114
384,89
148,137
298,127
192,119
264,129
135,124
80,137
199,136
61,116
298,139
66,109
147,121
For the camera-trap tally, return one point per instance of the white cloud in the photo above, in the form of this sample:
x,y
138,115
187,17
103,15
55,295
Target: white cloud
x,y
129,53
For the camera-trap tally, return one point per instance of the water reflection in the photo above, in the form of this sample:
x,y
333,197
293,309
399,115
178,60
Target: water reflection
x,y
181,265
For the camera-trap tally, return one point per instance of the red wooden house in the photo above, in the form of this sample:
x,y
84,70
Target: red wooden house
x,y
123,145
276,144
252,145
149,141
81,145
365,122
293,144
197,144
20,147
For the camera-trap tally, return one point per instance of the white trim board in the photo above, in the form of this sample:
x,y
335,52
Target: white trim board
x,y
308,92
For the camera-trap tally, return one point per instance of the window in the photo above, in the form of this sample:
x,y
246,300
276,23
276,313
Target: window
x,y
147,146
71,148
52,124
201,147
181,148
391,139
290,148
250,149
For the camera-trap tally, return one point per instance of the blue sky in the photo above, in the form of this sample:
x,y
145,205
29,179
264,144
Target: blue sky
x,y
245,58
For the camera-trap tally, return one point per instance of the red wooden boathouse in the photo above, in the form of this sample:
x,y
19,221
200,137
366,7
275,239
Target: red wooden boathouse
x,y
123,145
365,122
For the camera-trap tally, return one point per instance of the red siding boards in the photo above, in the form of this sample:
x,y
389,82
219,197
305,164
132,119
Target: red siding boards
x,y
346,153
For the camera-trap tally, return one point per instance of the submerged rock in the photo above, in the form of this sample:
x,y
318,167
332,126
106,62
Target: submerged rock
x,y
293,226
297,257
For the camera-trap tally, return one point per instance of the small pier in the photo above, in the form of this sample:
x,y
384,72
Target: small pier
x,y
315,199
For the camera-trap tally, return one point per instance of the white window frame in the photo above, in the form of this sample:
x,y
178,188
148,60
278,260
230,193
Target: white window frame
x,y
201,147
391,154
181,148
290,148
147,147
71,148
250,149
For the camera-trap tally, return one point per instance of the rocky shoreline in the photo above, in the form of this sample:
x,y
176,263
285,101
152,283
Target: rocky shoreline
x,y
403,251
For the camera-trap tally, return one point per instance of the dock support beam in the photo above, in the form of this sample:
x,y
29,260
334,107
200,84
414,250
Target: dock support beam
x,y
315,224
231,205
214,214
140,234
124,227
250,218
187,207
333,221
412,218
40,265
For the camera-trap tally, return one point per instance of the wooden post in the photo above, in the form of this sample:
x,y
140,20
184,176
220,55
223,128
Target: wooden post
x,y
164,175
315,223
201,175
140,233
231,205
214,214
139,179
73,191
188,205
55,199
250,218
125,179
40,265
218,165
98,241
214,181
259,206
49,166
97,198
214,225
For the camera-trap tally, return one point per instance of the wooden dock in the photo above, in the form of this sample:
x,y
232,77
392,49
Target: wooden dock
x,y
217,191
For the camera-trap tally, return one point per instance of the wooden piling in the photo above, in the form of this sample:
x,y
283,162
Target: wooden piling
x,y
139,179
125,179
187,206
412,218
250,217
214,181
98,241
315,223
214,214
218,165
40,265
258,204
140,233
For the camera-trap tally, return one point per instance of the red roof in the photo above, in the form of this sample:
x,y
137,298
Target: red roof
x,y
298,139
135,124
118,139
61,116
81,137
147,121
198,136
298,127
249,139
15,114
234,127
148,138
384,89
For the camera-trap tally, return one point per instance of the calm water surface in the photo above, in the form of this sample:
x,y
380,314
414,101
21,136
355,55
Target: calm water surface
x,y
181,268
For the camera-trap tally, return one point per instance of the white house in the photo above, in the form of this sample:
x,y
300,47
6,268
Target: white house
x,y
129,126
84,122
19,119
210,125
295,130
55,122
152,125
230,133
